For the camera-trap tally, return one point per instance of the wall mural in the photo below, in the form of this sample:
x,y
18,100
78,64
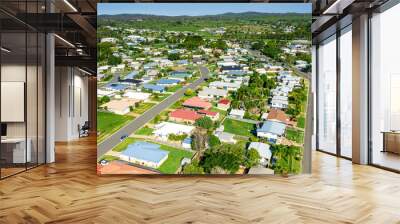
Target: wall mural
x,y
202,88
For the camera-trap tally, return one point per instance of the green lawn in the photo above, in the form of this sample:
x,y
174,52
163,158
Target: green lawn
x,y
238,127
143,107
122,146
174,88
171,165
108,123
295,135
109,158
160,98
144,131
301,121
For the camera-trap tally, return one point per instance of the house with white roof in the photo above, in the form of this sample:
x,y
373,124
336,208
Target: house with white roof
x,y
225,85
103,68
109,40
135,65
280,102
102,92
211,93
164,129
236,113
225,137
137,95
118,68
264,152
271,130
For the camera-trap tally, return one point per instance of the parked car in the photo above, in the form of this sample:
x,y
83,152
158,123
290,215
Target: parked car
x,y
123,137
103,162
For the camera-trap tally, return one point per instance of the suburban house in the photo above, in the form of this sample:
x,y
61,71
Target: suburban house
x,y
135,65
149,65
211,93
211,114
102,92
271,130
281,102
154,88
164,129
168,82
120,107
115,86
225,137
130,79
278,115
182,62
103,68
118,68
264,152
197,103
109,40
145,154
235,72
236,113
180,75
187,143
225,85
137,95
152,72
224,104
182,115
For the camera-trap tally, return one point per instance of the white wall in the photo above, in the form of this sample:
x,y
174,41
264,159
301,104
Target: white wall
x,y
71,102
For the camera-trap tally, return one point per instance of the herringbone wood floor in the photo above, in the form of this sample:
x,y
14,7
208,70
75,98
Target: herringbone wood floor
x,y
70,192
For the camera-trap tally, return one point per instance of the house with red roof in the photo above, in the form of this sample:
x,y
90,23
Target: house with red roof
x,y
197,103
211,114
224,104
278,115
185,116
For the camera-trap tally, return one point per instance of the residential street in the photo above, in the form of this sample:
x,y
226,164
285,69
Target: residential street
x,y
310,114
137,123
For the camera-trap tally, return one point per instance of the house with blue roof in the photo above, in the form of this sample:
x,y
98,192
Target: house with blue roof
x,y
131,75
180,75
271,130
182,62
149,65
235,72
116,86
187,143
154,88
130,79
168,82
145,154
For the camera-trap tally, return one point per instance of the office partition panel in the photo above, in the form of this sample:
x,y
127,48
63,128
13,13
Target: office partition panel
x,y
22,77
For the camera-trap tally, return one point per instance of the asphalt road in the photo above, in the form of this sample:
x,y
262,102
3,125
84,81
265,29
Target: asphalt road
x,y
138,122
310,115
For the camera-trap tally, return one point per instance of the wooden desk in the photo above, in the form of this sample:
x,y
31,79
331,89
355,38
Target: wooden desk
x,y
19,155
391,142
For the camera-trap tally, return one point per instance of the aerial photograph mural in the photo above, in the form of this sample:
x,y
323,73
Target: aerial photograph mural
x,y
202,88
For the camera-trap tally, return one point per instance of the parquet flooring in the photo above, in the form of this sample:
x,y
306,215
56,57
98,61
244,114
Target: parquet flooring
x,y
69,191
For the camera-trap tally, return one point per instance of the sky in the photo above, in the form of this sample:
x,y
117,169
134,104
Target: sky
x,y
199,9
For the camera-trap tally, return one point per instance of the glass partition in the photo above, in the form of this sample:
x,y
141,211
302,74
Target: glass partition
x,y
22,101
346,92
385,89
326,99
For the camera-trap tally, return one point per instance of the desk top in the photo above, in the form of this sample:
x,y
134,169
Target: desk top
x,y
13,140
